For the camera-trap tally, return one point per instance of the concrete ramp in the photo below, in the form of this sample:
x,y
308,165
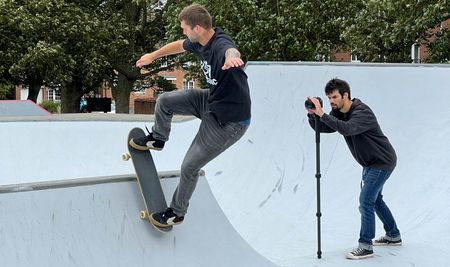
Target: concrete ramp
x,y
21,108
99,225
264,184
271,170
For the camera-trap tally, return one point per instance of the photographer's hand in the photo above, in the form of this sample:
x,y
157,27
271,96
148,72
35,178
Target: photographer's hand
x,y
318,110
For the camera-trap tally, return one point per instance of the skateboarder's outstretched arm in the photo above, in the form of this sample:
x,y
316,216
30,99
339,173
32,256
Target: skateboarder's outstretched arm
x,y
169,49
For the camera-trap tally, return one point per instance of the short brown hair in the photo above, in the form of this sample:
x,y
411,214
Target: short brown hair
x,y
194,15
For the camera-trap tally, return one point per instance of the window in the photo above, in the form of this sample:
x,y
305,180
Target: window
x,y
54,94
355,58
188,64
164,64
415,53
171,79
188,85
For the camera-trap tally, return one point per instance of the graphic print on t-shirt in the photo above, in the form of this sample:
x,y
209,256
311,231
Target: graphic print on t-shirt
x,y
206,68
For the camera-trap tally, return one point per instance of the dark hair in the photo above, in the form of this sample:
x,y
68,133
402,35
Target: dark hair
x,y
194,15
337,84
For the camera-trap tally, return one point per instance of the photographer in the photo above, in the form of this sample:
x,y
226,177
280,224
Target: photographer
x,y
371,149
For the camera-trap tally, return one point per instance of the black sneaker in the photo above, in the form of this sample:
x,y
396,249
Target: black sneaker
x,y
165,218
146,143
387,241
360,253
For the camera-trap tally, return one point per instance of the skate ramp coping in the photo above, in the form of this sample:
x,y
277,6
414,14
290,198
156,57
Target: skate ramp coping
x,y
98,224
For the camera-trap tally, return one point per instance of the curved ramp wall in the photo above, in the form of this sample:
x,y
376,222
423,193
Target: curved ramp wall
x,y
99,225
266,183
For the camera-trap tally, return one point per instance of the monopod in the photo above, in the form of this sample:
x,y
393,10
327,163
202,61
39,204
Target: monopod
x,y
318,175
310,105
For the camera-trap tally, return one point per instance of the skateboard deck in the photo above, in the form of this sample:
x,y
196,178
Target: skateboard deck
x,y
147,179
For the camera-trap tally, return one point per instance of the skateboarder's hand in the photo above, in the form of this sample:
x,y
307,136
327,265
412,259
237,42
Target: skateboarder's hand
x,y
233,62
232,59
145,60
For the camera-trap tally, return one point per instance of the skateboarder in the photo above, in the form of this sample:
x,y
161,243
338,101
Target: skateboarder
x,y
224,108
371,149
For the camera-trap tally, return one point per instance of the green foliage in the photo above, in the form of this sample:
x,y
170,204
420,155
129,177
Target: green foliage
x,y
265,30
51,106
286,30
439,49
43,60
133,28
8,42
54,41
6,92
158,83
77,44
384,30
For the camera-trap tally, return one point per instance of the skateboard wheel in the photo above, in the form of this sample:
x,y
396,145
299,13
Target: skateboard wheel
x,y
143,214
126,157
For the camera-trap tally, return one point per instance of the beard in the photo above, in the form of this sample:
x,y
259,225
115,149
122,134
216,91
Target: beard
x,y
337,106
193,39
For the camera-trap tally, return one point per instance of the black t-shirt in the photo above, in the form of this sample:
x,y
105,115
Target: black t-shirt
x,y
229,97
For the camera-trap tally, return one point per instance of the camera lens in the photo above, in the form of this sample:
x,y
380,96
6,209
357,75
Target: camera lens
x,y
310,105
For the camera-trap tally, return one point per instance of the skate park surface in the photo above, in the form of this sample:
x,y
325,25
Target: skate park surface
x,y
67,198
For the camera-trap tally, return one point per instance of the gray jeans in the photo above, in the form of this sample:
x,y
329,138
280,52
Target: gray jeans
x,y
211,140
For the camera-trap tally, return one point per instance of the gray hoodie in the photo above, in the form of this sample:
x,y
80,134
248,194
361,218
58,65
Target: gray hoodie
x,y
360,128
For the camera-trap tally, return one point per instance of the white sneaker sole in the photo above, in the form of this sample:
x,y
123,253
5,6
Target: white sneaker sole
x,y
387,244
158,224
142,148
353,257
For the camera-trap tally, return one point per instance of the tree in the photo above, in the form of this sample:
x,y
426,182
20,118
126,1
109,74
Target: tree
x,y
438,38
384,30
439,48
134,27
30,57
78,44
6,92
7,30
286,30
82,36
54,43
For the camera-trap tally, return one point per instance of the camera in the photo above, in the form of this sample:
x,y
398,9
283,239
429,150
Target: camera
x,y
310,105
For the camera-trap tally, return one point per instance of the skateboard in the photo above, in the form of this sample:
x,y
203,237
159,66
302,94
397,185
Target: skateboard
x,y
147,179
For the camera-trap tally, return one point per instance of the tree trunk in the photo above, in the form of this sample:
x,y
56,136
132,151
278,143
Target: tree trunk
x,y
33,90
70,97
121,94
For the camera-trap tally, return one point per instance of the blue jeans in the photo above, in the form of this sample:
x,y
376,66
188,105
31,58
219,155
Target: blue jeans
x,y
371,202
